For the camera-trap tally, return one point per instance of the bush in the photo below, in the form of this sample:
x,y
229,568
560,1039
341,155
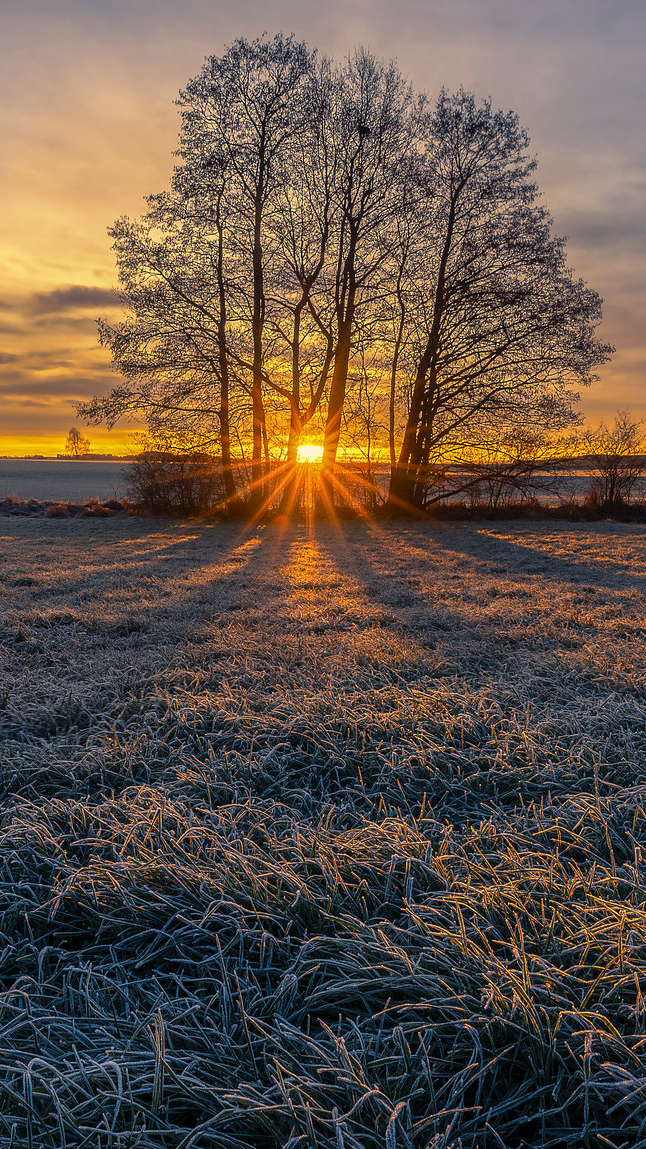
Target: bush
x,y
170,484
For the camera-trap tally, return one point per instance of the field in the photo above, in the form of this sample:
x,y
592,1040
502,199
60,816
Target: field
x,y
322,839
70,480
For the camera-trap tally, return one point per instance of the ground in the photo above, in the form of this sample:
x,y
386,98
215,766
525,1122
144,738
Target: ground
x,y
322,836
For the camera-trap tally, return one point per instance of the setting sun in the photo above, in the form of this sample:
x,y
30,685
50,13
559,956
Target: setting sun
x,y
309,453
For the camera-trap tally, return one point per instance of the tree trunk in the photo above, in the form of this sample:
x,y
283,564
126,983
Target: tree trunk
x,y
409,476
231,490
257,325
257,406
404,477
290,493
335,411
233,498
393,371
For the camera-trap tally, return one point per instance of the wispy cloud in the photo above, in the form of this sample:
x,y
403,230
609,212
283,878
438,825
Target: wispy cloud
x,y
70,299
18,383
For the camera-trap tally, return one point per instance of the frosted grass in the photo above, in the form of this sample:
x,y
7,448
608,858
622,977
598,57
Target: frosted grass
x,y
66,480
322,839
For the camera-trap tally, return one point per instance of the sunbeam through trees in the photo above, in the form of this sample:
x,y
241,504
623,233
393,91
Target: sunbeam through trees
x,y
343,260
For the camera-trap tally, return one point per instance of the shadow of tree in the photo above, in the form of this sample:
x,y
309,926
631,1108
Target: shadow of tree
x,y
511,557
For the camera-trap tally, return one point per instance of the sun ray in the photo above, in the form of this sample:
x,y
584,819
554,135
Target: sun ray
x,y
349,497
328,505
284,470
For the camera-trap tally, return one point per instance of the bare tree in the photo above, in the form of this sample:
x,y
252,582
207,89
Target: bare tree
x,y
299,311
195,271
168,351
504,331
374,130
508,466
169,483
616,459
246,108
76,445
365,425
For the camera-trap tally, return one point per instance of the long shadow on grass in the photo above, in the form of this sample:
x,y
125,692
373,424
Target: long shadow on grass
x,y
104,647
158,553
294,689
133,583
527,558
277,651
370,558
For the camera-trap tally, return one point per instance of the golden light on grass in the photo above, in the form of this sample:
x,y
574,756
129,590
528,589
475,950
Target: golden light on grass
x,y
309,453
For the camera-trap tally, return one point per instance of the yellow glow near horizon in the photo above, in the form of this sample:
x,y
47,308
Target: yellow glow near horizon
x,y
309,453
101,442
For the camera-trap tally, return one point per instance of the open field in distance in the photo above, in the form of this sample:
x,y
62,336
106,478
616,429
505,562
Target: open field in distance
x,y
68,480
322,838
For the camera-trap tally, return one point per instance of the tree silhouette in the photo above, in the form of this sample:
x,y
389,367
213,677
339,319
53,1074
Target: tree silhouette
x,y
503,331
334,252
615,456
76,445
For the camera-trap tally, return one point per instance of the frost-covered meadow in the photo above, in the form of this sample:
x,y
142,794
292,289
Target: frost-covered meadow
x,y
322,837
71,480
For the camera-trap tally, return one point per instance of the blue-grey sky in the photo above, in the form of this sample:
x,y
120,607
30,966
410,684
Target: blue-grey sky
x,y
88,125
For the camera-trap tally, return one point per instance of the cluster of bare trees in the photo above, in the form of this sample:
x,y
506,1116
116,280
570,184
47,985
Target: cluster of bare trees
x,y
599,467
339,259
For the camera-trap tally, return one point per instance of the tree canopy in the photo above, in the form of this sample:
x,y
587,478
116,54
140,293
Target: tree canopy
x,y
340,258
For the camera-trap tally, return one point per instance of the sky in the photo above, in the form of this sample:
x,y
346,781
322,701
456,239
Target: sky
x,y
88,126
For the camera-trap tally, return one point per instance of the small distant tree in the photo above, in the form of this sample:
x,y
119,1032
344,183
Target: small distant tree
x,y
77,445
616,459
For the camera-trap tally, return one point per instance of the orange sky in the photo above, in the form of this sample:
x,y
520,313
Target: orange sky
x,y
88,128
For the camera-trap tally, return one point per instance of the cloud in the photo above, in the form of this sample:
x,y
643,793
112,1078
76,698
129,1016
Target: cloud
x,y
20,384
84,324
70,299
49,360
603,232
5,357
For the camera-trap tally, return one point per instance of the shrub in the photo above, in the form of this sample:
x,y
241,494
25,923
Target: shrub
x,y
56,511
168,483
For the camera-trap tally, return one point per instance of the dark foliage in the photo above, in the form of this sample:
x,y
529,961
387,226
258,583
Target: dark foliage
x,y
176,484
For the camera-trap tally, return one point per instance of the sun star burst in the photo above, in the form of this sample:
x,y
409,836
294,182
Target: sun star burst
x,y
309,453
